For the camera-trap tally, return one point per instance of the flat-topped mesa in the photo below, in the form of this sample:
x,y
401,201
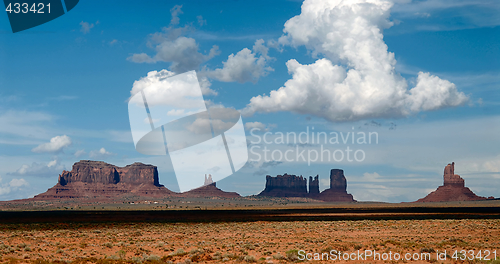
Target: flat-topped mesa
x,y
450,178
138,173
88,171
99,180
285,186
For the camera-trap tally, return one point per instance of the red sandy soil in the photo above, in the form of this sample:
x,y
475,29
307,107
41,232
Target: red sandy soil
x,y
260,242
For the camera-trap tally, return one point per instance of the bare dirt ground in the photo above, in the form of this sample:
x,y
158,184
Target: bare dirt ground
x,y
259,242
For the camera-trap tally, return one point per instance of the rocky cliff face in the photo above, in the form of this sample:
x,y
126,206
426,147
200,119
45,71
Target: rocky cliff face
x,y
452,179
338,188
97,179
285,186
313,186
88,171
296,186
453,189
337,180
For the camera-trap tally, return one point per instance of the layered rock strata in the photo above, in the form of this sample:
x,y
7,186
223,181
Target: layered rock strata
x,y
97,179
100,180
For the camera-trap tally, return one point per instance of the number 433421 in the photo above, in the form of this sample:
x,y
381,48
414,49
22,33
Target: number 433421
x,y
38,8
471,255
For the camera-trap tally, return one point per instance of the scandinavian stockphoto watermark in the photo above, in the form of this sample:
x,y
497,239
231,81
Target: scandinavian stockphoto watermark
x,y
310,146
169,117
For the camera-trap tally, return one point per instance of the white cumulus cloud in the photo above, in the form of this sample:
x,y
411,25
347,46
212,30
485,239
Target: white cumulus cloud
x,y
56,144
245,66
162,90
365,83
182,53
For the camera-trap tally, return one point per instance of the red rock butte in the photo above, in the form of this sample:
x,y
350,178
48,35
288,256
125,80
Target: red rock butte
x,y
453,189
338,188
100,180
285,186
296,186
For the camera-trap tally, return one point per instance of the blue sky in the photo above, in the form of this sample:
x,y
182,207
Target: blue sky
x,y
339,67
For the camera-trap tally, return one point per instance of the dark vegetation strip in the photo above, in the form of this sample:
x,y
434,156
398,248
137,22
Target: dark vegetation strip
x,y
236,215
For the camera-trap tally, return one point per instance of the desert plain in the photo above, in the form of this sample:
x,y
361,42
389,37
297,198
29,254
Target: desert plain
x,y
415,239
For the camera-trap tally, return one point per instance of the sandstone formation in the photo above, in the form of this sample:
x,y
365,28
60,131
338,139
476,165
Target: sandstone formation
x,y
285,186
452,179
97,179
453,189
296,186
314,186
100,172
338,181
210,190
338,188
208,180
100,180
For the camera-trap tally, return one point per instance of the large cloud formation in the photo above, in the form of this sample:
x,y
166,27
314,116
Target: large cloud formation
x,y
365,83
170,46
183,54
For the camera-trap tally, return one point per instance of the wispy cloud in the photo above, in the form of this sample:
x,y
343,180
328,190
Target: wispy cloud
x,y
25,127
470,13
86,26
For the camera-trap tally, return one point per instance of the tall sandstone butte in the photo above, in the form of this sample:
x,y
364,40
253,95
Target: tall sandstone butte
x,y
338,188
97,179
313,186
453,189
